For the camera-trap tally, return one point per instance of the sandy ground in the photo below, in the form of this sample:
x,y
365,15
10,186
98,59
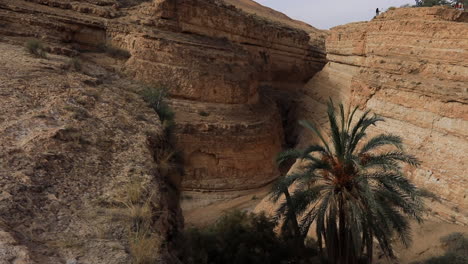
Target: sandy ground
x,y
211,211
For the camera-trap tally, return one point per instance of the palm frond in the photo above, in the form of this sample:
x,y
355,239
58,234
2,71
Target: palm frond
x,y
381,140
335,131
312,127
303,198
288,155
283,184
361,130
393,156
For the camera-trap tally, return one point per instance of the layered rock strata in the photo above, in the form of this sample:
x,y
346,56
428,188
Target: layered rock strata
x,y
214,58
209,54
410,66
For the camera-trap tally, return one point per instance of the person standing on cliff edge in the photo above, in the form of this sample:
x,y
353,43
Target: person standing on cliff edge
x,y
377,12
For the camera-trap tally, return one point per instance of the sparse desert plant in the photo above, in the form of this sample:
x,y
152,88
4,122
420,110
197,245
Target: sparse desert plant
x,y
74,64
79,113
165,160
456,243
130,3
449,258
156,98
457,250
138,212
355,192
187,197
203,113
143,248
113,51
36,48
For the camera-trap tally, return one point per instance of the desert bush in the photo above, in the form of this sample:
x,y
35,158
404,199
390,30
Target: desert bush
x,y
130,3
449,258
166,160
457,250
74,64
239,237
203,113
78,112
36,48
114,51
156,98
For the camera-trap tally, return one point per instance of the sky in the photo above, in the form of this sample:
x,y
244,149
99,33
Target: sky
x,y
325,14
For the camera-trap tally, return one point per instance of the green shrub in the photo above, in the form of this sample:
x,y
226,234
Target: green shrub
x,y
240,238
36,48
156,98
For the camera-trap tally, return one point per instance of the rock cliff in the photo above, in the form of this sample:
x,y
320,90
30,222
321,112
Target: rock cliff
x,y
409,65
214,57
211,55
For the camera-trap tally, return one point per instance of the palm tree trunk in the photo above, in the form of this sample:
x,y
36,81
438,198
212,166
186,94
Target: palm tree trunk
x,y
293,218
370,249
343,257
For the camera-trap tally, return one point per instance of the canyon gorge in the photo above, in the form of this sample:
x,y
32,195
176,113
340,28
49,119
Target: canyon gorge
x,y
239,76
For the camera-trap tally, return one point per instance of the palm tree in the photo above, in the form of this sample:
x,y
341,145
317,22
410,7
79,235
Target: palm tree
x,y
354,191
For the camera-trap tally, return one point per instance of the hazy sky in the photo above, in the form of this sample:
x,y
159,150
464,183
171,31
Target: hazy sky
x,y
325,14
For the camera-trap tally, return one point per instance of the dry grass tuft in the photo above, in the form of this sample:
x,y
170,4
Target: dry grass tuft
x,y
138,213
143,247
36,48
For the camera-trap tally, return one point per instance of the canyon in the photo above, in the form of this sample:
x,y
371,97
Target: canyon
x,y
239,77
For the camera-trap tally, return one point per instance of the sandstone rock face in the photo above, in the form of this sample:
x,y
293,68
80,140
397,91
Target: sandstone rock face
x,y
73,143
214,57
411,67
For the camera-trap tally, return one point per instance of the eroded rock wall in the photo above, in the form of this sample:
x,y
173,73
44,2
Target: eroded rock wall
x,y
410,66
214,57
211,55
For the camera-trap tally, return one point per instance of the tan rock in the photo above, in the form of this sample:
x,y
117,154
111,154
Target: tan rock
x,y
65,162
411,67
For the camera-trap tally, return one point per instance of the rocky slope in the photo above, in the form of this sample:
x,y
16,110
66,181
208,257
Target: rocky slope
x,y
411,67
73,145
